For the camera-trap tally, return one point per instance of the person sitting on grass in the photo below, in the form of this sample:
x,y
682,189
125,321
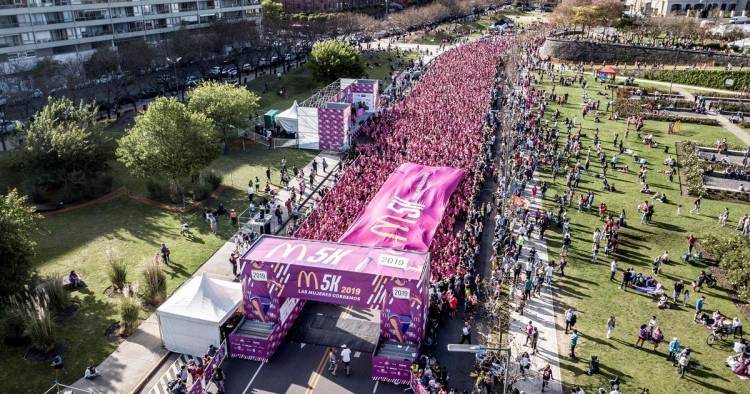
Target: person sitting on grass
x,y
645,189
74,279
663,302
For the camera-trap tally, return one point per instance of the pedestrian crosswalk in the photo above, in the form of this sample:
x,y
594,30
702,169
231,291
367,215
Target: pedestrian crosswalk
x,y
171,374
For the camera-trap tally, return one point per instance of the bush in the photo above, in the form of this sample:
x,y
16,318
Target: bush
x,y
118,273
201,192
57,296
156,191
130,310
705,78
211,179
155,290
681,119
691,168
14,322
39,323
733,253
734,107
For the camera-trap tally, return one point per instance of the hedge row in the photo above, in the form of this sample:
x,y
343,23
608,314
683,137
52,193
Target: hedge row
x,y
705,78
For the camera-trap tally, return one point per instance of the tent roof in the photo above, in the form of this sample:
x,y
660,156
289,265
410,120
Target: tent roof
x,y
289,113
272,112
608,70
204,298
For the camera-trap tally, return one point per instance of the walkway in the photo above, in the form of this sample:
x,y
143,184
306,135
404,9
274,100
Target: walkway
x,y
135,358
738,131
541,311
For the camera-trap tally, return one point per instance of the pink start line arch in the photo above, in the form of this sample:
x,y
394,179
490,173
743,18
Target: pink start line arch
x,y
380,263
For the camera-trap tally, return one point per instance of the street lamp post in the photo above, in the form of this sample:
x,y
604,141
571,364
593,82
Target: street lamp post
x,y
174,62
457,348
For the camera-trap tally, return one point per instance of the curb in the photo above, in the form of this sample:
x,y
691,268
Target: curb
x,y
138,387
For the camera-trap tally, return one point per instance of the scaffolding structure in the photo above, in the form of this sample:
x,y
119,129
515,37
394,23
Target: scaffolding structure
x,y
323,95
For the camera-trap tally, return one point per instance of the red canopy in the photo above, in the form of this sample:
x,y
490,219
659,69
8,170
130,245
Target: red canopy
x,y
609,70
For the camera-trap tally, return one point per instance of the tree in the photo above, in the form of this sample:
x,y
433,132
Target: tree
x,y
335,59
588,13
18,225
229,106
733,253
64,145
168,140
271,9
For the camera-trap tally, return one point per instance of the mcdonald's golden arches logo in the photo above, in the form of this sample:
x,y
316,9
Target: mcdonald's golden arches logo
x,y
309,277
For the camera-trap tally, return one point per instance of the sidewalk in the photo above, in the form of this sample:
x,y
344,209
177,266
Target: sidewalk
x,y
541,311
135,358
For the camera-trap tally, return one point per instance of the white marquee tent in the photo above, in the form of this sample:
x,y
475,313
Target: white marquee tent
x,y
288,119
190,319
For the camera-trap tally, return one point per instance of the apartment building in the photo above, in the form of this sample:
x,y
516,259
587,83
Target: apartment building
x,y
39,28
682,7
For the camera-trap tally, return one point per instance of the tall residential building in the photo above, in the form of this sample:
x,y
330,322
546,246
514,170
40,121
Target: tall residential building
x,y
703,8
39,28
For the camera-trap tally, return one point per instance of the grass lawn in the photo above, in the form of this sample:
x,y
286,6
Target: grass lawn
x,y
587,289
77,240
300,82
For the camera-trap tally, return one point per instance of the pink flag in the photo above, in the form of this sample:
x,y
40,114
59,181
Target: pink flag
x,y
407,210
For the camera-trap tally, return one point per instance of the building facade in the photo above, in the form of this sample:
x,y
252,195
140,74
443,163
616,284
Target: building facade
x,y
40,28
294,6
703,8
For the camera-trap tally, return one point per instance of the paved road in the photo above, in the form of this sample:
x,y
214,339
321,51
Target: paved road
x,y
302,368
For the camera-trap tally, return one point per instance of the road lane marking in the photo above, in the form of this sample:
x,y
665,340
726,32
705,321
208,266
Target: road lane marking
x,y
253,378
313,381
374,389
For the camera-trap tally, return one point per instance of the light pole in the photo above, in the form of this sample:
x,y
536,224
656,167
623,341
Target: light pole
x,y
457,348
174,62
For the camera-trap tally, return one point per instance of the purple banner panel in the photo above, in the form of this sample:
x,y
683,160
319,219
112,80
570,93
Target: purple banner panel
x,y
214,363
391,370
197,387
262,348
407,210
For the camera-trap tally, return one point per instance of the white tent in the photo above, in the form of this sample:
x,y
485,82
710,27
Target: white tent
x,y
288,119
190,319
308,128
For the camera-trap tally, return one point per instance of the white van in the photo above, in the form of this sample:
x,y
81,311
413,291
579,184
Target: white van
x,y
738,20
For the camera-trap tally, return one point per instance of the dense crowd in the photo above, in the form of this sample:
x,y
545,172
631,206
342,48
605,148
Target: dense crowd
x,y
439,124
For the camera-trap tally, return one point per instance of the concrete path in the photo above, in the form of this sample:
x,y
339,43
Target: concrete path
x,y
125,369
738,131
541,312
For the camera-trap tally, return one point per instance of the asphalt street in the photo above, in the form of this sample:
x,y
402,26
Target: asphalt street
x,y
302,368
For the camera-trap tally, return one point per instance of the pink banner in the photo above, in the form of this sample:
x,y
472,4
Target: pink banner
x,y
407,210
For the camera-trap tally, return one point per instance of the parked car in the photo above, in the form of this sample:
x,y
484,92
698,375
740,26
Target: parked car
x,y
192,80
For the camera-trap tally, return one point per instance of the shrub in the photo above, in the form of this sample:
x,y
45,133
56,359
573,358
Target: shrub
x,y
691,168
681,119
14,322
211,179
155,290
733,253
201,192
130,310
156,191
39,322
117,272
705,78
53,288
